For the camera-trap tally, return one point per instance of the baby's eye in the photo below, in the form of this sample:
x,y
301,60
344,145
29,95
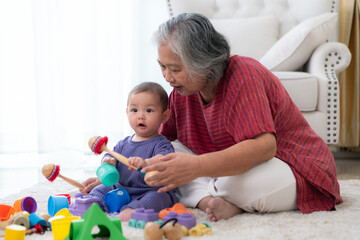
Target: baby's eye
x,y
149,110
133,110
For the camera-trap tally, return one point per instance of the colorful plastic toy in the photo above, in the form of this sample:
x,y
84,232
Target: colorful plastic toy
x,y
141,216
185,219
56,203
108,226
25,204
82,204
61,227
6,211
146,215
116,199
200,230
179,208
35,218
15,232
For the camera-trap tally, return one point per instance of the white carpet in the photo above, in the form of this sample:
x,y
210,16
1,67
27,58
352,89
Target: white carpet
x,y
344,223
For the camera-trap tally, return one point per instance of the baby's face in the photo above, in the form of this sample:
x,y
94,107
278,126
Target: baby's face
x,y
145,114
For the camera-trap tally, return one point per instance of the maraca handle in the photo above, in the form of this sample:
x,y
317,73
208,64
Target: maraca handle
x,y
72,181
119,157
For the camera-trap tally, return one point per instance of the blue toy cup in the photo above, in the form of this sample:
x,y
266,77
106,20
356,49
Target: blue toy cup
x,y
108,174
34,218
56,203
116,199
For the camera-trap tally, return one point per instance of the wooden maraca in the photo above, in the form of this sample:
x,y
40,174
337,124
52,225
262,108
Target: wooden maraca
x,y
97,144
52,171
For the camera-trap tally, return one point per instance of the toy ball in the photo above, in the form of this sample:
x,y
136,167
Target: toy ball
x,y
173,231
153,231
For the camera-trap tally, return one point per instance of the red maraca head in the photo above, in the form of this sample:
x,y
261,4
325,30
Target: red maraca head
x,y
96,142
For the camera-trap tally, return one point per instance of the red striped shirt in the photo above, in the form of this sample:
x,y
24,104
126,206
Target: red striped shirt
x,y
249,101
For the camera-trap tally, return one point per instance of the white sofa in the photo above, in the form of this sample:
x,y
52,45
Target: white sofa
x,y
295,39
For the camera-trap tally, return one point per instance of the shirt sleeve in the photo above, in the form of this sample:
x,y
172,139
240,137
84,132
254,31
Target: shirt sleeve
x,y
247,104
168,129
164,147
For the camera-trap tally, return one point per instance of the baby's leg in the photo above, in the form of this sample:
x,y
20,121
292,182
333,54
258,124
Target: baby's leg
x,y
153,200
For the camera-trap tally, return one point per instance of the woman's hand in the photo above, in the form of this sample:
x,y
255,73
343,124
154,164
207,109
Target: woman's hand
x,y
174,170
89,184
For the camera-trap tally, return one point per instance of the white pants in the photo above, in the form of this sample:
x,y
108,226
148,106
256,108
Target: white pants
x,y
268,187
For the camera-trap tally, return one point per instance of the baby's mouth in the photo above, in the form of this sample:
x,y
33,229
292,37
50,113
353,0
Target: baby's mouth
x,y
141,125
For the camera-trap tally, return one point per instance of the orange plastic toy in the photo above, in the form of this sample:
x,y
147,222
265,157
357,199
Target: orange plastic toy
x,y
6,211
179,208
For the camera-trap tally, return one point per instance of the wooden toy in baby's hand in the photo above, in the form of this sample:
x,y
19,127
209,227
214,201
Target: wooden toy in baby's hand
x,y
97,144
52,171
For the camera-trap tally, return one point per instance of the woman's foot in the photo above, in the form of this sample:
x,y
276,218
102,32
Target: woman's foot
x,y
217,208
125,215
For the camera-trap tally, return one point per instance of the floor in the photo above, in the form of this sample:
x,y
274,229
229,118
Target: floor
x,y
18,172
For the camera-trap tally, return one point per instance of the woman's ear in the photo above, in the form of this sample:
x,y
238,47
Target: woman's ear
x,y
166,116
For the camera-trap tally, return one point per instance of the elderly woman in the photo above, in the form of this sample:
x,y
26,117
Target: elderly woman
x,y
241,143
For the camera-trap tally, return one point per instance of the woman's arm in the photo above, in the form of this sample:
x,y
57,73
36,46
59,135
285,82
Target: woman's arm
x,y
179,168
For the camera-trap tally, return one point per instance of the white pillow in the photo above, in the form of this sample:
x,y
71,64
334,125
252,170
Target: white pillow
x,y
295,47
250,37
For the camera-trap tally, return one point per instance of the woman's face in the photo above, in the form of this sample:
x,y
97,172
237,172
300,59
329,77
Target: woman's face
x,y
175,73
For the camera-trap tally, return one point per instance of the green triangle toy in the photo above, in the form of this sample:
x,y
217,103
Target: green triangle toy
x,y
109,227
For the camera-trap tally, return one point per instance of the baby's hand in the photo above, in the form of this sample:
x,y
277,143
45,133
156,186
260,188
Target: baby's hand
x,y
137,162
109,160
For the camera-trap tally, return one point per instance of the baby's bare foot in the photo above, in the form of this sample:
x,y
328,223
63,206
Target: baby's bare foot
x,y
125,215
218,209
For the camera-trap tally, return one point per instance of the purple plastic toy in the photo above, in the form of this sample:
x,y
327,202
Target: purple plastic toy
x,y
185,219
82,204
147,215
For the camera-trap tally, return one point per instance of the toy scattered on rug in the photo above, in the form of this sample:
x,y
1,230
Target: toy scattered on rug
x,y
21,219
152,222
52,171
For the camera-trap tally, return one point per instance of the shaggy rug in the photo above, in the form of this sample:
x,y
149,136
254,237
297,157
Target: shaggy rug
x,y
344,223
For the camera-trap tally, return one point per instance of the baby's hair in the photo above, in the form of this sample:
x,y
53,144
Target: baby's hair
x,y
153,88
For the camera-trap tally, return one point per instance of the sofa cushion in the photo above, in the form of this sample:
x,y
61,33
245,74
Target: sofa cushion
x,y
250,37
292,50
302,88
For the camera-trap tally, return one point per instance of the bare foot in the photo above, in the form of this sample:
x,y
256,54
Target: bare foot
x,y
218,208
125,215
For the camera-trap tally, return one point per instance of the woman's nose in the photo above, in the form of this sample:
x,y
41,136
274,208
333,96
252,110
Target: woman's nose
x,y
167,75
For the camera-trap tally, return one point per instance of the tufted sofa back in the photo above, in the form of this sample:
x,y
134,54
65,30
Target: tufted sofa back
x,y
288,12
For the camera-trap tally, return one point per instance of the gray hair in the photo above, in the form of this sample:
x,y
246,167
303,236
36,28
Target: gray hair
x,y
203,51
153,88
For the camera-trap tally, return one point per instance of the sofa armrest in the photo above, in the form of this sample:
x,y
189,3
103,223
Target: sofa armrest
x,y
326,62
